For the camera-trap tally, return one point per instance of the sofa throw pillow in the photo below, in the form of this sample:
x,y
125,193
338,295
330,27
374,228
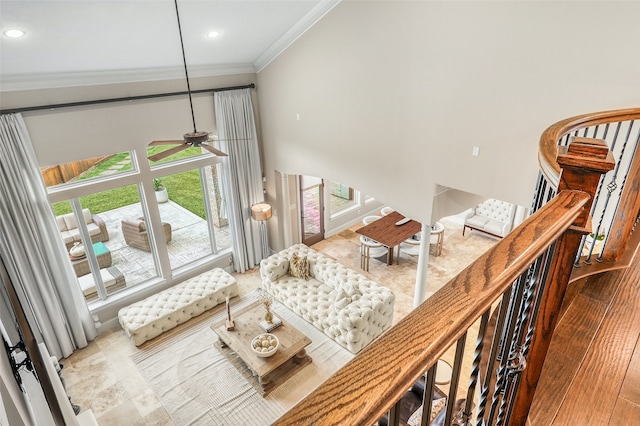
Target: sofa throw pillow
x,y
299,267
342,299
436,406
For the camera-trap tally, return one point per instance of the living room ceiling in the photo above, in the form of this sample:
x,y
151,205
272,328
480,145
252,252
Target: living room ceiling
x,y
81,42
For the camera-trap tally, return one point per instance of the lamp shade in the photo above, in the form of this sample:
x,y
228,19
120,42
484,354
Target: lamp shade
x,y
261,211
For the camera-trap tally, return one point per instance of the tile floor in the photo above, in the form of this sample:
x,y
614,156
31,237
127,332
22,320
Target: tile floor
x,y
102,376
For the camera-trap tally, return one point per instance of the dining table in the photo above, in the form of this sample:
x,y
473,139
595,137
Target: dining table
x,y
390,232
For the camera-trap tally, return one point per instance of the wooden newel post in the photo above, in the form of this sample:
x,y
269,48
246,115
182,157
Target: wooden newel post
x,y
583,162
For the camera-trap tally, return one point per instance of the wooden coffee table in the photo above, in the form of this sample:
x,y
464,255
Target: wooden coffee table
x,y
267,373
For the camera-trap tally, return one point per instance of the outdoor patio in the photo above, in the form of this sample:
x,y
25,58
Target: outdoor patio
x,y
190,240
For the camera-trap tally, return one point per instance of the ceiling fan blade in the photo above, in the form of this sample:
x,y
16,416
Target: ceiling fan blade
x,y
164,154
175,142
213,150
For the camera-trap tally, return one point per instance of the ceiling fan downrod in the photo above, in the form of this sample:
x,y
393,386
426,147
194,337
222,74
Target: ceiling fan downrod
x,y
195,133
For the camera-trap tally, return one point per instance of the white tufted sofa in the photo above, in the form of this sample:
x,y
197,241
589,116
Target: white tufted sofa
x,y
493,217
169,308
345,305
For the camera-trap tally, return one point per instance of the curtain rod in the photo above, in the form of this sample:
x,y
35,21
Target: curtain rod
x,y
125,99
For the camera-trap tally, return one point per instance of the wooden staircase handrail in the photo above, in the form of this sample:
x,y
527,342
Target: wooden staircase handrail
x,y
384,370
548,145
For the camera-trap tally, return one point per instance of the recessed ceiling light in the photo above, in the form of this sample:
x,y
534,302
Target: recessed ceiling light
x,y
213,34
14,33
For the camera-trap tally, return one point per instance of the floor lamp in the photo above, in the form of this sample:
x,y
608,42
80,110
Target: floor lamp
x,y
262,212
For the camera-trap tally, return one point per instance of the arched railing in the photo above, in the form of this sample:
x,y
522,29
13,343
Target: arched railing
x,y
507,302
611,242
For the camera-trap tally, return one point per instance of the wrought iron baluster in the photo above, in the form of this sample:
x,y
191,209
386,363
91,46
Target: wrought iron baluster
x,y
507,336
465,415
516,364
547,258
624,182
537,192
611,187
455,378
393,414
16,366
427,397
524,349
503,309
516,359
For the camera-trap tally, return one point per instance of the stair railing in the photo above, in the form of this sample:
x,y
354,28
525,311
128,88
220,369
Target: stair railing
x,y
611,241
509,298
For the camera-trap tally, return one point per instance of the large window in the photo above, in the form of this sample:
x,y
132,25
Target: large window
x,y
124,227
190,212
345,200
342,197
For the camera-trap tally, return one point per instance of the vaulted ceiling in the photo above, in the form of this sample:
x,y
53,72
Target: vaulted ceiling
x,y
80,42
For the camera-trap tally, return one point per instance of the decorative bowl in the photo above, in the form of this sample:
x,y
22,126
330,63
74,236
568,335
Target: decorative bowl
x,y
264,345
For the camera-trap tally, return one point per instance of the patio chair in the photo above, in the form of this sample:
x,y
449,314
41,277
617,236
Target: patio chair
x,y
136,235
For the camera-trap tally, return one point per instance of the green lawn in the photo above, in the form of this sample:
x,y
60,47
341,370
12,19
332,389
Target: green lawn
x,y
184,189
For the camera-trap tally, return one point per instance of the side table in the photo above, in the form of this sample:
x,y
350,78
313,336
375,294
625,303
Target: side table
x,y
103,255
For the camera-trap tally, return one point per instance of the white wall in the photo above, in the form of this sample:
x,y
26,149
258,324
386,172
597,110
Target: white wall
x,y
389,97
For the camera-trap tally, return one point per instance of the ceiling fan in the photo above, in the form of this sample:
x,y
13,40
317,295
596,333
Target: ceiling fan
x,y
191,139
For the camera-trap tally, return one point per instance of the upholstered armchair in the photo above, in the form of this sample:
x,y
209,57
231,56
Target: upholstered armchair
x,y
136,235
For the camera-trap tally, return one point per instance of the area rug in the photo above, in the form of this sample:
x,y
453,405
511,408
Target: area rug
x,y
197,385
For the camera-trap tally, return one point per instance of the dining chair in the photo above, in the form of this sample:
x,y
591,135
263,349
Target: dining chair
x,y
437,238
386,210
370,248
411,245
368,219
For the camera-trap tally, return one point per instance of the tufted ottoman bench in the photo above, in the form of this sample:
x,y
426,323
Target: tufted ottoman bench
x,y
150,317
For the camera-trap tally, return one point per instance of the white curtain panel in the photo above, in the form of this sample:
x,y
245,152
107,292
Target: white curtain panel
x,y
32,250
242,173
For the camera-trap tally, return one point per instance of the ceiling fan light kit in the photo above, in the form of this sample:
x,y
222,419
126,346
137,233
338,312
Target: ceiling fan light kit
x,y
190,139
196,138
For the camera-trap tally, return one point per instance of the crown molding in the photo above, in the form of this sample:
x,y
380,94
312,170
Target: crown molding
x,y
14,83
37,81
294,33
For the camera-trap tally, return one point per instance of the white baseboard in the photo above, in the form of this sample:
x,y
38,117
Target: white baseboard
x,y
86,418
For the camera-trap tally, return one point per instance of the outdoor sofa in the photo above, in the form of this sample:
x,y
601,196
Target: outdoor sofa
x,y
68,227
